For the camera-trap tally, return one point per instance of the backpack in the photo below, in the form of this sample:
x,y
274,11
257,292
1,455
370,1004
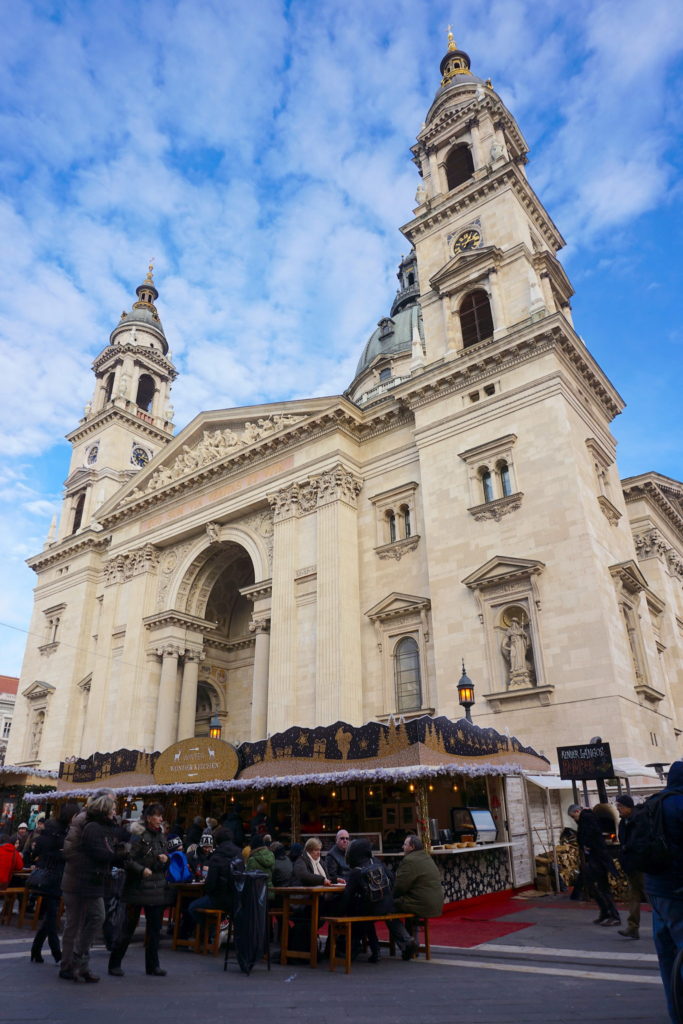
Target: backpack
x,y
374,882
649,849
178,868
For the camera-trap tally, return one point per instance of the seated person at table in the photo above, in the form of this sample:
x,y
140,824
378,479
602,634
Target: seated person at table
x,y
218,888
308,869
336,864
418,890
262,858
198,857
368,892
178,866
10,861
283,869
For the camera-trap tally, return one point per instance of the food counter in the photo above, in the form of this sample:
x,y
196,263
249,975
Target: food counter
x,y
469,871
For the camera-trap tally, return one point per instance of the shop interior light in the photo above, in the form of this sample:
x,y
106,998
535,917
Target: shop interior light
x,y
411,787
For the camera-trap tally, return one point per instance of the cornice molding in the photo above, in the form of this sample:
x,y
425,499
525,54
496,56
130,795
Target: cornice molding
x,y
141,352
68,548
98,420
637,488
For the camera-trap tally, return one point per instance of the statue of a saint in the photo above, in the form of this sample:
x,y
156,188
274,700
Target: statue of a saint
x,y
514,647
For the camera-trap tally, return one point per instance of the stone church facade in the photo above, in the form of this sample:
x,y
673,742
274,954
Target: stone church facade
x,y
336,558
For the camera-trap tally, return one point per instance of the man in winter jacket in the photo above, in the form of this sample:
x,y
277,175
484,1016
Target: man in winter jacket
x,y
596,864
418,890
336,865
217,889
665,890
627,823
10,861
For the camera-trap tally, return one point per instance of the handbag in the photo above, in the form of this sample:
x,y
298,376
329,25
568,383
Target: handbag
x,y
43,881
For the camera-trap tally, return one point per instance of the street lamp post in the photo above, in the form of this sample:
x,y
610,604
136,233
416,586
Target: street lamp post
x,y
215,728
466,692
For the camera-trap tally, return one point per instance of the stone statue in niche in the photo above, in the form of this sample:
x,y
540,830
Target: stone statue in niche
x,y
497,152
514,646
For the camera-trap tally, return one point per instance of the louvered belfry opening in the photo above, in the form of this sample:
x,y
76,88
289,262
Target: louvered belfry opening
x,y
476,321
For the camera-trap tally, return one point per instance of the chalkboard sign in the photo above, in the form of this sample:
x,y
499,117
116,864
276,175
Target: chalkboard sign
x,y
586,761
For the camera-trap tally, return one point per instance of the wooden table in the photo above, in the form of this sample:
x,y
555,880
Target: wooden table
x,y
184,891
300,893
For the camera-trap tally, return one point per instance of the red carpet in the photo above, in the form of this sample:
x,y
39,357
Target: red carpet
x,y
471,922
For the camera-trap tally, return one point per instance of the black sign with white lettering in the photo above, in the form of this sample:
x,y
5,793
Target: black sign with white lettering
x,y
586,761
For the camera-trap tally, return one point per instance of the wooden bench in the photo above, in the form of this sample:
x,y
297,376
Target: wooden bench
x,y
203,938
343,925
9,895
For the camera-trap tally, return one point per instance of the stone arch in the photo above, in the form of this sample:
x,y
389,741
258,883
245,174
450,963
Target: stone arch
x,y
192,578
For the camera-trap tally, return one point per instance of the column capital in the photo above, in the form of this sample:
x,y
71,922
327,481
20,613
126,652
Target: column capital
x,y
193,654
338,484
169,650
259,626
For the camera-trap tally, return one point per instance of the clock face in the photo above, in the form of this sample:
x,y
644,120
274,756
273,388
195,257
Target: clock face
x,y
139,456
92,455
469,239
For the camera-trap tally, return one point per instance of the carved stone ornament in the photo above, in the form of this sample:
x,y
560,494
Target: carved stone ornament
x,y
337,484
259,625
398,548
124,566
651,544
610,511
213,532
498,508
213,446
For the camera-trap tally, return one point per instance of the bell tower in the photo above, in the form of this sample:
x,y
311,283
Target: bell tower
x,y
485,246
129,418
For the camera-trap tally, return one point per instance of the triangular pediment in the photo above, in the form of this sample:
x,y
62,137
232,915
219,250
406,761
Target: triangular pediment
x,y
461,266
37,690
213,438
78,477
503,567
397,604
629,575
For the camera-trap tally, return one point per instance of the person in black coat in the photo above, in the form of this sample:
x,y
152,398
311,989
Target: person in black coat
x,y
233,820
636,884
217,889
90,850
145,887
49,859
355,902
595,862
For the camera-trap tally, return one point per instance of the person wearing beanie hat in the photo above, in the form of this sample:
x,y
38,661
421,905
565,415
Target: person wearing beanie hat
x,y
636,883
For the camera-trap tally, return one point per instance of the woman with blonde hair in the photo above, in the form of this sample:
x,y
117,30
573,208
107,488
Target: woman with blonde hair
x,y
308,869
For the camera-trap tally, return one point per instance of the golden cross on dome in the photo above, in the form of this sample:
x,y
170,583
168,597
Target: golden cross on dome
x,y
452,45
150,271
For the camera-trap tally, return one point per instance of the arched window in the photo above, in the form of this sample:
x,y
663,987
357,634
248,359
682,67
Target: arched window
x,y
487,484
145,392
78,512
411,279
109,388
505,479
391,520
476,322
405,516
459,166
407,675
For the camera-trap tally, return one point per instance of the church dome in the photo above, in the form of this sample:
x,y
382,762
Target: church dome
x,y
455,74
394,333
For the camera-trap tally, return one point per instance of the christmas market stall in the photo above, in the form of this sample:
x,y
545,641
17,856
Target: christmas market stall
x,y
460,787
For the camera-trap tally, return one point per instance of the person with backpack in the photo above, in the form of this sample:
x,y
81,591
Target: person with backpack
x,y
658,852
636,893
367,892
418,890
178,867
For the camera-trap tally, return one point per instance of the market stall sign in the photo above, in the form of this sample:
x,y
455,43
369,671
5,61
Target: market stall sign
x,y
587,761
200,759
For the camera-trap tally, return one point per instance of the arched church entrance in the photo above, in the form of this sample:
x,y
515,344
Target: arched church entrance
x,y
226,672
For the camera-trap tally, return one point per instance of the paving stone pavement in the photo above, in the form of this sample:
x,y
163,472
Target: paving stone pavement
x,y
561,970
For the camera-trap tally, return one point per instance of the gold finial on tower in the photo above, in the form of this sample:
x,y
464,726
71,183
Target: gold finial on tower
x,y
452,45
150,272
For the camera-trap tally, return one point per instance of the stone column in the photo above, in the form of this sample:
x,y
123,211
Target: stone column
x,y
477,156
188,695
283,627
338,661
165,731
259,692
499,325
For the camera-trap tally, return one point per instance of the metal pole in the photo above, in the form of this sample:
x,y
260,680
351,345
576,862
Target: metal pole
x,y
552,840
575,791
585,792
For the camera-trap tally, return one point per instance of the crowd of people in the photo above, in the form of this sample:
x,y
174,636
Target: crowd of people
x,y
108,871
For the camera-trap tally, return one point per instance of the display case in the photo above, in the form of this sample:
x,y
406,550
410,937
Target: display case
x,y
475,823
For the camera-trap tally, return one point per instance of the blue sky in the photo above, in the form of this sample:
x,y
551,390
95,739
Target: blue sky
x,y
260,153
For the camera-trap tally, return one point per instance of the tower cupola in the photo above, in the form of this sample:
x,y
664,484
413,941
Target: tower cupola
x,y
455,62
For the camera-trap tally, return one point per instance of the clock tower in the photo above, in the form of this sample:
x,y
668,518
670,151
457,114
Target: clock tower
x,y
129,418
485,246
